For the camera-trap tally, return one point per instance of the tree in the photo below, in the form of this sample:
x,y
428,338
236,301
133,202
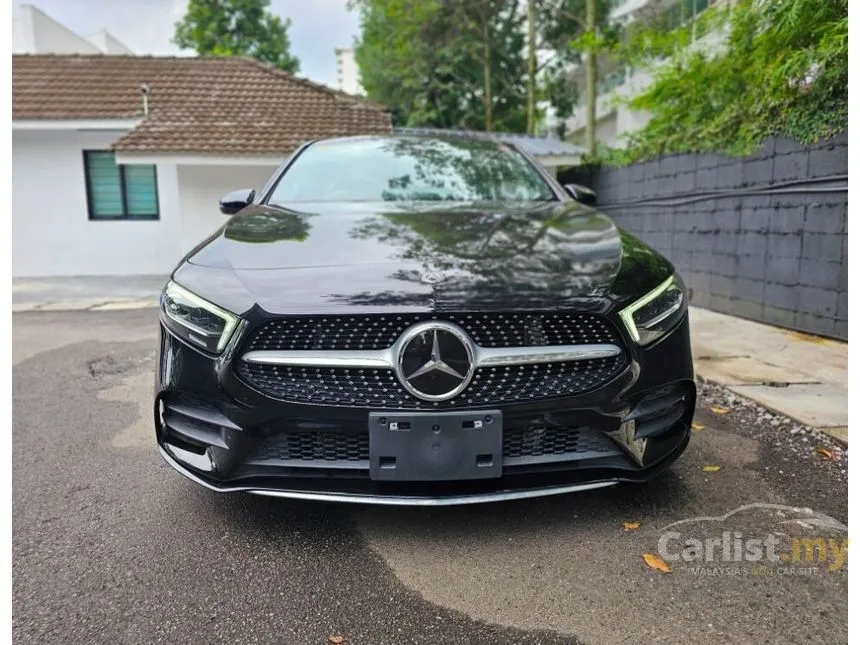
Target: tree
x,y
532,58
577,32
236,28
591,51
445,63
473,63
406,61
492,30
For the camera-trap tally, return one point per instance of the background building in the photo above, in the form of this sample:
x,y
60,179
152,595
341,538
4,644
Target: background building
x,y
110,180
616,81
347,71
35,32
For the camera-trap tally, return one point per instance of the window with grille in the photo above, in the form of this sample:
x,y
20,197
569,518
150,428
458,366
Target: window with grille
x,y
117,191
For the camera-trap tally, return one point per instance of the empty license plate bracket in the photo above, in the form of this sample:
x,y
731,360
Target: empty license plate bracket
x,y
435,446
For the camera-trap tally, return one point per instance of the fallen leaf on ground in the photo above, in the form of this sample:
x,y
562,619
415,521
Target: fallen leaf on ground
x,y
631,526
698,426
337,640
718,409
711,469
827,454
656,562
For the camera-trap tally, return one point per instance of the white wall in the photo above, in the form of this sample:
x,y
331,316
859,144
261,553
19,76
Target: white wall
x,y
41,34
629,121
35,32
108,43
21,35
605,131
623,8
51,232
347,71
201,188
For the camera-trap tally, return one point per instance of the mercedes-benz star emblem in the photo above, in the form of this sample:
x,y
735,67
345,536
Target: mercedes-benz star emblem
x,y
435,360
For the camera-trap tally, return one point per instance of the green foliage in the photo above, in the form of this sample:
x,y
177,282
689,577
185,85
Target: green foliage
x,y
782,71
430,61
527,249
271,226
236,28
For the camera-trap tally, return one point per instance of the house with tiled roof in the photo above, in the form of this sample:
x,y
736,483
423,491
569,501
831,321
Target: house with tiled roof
x,y
119,161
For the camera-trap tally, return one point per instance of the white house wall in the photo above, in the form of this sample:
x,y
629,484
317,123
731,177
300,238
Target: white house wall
x,y
51,232
200,189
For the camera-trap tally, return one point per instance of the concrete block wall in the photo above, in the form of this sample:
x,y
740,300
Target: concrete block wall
x,y
763,237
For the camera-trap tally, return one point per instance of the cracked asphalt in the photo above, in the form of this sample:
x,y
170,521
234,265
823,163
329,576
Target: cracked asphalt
x,y
110,545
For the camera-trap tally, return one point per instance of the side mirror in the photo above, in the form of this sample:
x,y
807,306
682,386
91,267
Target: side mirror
x,y
582,194
236,200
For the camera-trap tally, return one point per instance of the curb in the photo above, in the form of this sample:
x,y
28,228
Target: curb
x,y
85,305
768,396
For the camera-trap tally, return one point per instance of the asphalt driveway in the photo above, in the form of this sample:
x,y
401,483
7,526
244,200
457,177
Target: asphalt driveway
x,y
110,545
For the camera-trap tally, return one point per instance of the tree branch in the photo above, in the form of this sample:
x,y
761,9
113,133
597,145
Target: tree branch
x,y
567,14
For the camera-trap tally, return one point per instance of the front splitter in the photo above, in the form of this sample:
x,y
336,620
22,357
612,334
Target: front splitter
x,y
391,500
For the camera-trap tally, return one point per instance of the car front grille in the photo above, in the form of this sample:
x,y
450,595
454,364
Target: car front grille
x,y
322,446
380,387
553,441
520,445
381,331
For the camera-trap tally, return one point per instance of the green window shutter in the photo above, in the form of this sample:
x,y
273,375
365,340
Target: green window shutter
x,y
141,196
105,187
119,191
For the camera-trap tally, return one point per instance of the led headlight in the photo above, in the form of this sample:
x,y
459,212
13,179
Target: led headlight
x,y
656,312
196,320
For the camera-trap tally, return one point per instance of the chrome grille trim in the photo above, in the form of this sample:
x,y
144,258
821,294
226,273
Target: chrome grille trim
x,y
358,358
503,356
386,358
381,331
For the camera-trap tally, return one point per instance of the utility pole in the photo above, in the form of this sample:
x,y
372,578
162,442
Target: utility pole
x,y
530,118
590,76
488,84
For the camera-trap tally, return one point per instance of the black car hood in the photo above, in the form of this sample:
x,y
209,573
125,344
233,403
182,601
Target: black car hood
x,y
341,258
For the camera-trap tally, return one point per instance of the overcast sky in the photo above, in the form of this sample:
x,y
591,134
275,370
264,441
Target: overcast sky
x,y
146,26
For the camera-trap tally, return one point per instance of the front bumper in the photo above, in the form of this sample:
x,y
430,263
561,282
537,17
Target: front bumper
x,y
221,433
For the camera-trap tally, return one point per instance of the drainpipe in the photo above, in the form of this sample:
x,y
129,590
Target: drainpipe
x,y
144,95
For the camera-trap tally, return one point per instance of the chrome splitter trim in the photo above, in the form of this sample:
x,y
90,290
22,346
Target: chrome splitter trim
x,y
459,500
391,500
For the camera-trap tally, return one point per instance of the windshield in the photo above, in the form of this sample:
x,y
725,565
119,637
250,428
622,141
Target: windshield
x,y
410,169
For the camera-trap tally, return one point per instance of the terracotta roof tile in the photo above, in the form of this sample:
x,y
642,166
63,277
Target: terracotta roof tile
x,y
212,105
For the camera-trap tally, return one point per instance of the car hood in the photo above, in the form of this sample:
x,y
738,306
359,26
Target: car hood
x,y
340,258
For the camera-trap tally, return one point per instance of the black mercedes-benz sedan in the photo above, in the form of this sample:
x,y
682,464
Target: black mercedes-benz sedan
x,y
421,320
